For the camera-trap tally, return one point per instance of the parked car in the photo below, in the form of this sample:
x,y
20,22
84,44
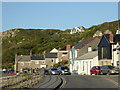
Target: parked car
x,y
54,71
108,69
10,73
46,72
95,70
64,70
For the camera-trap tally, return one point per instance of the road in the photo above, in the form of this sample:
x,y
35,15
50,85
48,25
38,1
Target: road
x,y
90,81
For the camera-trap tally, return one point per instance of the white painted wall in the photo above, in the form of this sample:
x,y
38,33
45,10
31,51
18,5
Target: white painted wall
x,y
115,56
84,66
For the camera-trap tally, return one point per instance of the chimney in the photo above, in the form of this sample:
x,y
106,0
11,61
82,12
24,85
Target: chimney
x,y
111,37
31,53
89,49
68,47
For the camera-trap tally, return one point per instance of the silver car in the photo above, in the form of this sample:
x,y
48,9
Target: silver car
x,y
108,69
54,71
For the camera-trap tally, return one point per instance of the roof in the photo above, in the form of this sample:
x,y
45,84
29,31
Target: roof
x,y
51,55
23,58
89,55
38,57
116,37
54,50
77,46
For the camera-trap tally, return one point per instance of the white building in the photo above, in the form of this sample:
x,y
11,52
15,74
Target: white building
x,y
77,30
84,63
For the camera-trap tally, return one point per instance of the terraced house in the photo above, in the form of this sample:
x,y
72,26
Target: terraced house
x,y
34,61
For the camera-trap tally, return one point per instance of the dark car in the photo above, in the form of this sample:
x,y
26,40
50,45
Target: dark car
x,y
54,71
64,70
108,69
95,70
46,72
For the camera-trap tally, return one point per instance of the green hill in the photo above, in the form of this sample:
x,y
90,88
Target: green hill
x,y
22,41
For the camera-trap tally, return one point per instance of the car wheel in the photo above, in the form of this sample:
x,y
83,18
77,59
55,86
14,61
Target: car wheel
x,y
96,73
101,73
108,73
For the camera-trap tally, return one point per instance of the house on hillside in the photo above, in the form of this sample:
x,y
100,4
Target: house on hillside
x,y
82,48
107,53
77,30
84,63
98,33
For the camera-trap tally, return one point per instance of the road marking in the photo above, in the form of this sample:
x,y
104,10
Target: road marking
x,y
64,82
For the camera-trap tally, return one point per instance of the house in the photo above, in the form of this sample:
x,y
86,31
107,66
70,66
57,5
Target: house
x,y
84,63
77,30
98,33
106,49
29,61
82,48
63,53
51,59
35,61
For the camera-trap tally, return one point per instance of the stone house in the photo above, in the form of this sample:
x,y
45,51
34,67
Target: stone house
x,y
27,61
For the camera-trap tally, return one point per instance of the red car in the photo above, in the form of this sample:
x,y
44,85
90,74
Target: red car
x,y
95,70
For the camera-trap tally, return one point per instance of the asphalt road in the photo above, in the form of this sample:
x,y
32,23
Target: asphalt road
x,y
90,81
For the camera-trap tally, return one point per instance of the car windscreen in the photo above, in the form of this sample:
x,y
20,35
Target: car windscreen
x,y
111,67
62,68
53,69
97,67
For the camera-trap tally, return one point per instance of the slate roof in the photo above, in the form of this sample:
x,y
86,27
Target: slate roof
x,y
37,57
89,55
51,55
23,58
77,46
116,37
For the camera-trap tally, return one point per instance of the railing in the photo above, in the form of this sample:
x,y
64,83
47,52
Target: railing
x,y
23,80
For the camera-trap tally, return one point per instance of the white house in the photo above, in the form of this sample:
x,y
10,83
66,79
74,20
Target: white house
x,y
97,33
84,63
77,30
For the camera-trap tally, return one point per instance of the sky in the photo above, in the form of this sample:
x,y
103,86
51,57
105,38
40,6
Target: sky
x,y
56,15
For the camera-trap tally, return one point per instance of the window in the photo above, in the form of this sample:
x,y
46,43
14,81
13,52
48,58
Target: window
x,y
52,60
83,65
43,62
21,63
36,62
28,63
104,52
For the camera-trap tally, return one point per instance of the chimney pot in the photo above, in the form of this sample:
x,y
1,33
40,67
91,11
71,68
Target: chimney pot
x,y
68,47
89,49
30,53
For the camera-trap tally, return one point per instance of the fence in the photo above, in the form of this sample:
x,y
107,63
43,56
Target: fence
x,y
23,80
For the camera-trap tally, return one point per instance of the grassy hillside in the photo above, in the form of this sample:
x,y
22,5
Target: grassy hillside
x,y
22,41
